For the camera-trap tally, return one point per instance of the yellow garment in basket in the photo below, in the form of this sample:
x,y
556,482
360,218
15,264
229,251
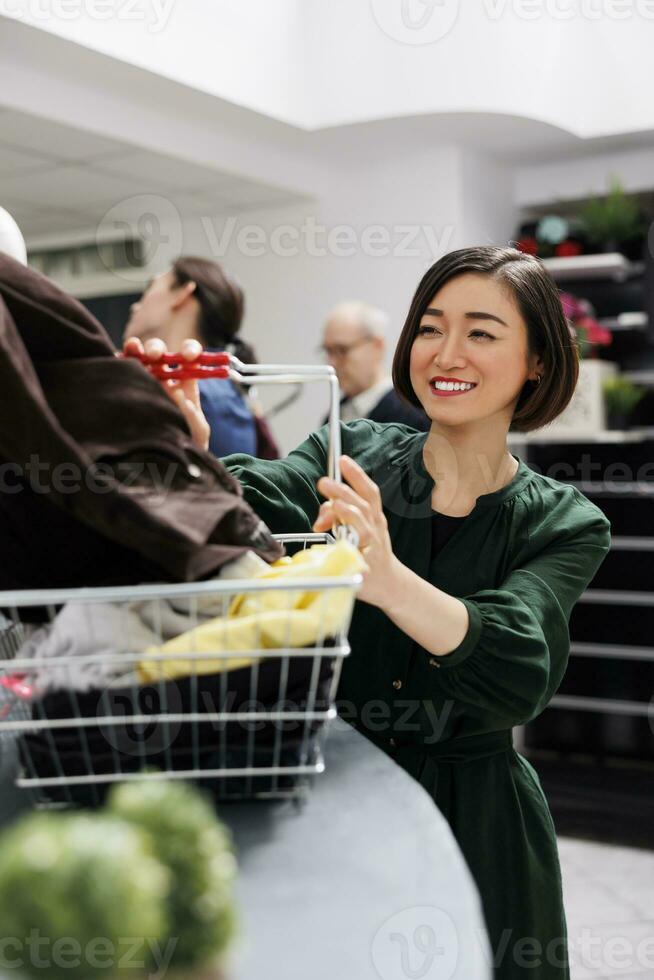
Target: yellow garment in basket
x,y
266,619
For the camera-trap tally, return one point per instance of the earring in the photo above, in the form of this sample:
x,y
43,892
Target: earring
x,y
539,378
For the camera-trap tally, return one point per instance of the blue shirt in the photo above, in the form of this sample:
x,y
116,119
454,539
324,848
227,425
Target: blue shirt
x,y
230,420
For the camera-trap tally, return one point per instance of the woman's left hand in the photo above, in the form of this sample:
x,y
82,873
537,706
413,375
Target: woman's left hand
x,y
360,506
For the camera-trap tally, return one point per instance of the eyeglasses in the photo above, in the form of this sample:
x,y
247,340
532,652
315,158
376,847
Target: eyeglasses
x,y
335,352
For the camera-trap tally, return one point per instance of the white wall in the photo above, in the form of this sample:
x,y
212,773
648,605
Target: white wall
x,y
488,205
573,178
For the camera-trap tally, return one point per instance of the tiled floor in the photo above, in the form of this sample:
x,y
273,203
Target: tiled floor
x,y
609,900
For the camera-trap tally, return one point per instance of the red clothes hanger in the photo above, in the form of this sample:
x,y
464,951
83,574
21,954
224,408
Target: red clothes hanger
x,y
175,367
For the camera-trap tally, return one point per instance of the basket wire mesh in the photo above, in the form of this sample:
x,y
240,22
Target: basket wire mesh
x,y
260,737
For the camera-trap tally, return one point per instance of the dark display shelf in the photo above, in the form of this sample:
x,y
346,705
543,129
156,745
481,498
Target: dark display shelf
x,y
594,745
611,800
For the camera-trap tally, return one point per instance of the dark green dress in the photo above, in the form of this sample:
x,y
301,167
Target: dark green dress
x,y
519,561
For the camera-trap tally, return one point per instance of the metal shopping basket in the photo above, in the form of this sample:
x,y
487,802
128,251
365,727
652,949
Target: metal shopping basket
x,y
247,724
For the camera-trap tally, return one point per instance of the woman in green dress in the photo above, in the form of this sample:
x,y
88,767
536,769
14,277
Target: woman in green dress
x,y
455,643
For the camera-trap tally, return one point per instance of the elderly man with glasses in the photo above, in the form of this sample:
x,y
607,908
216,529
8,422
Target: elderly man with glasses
x,y
354,343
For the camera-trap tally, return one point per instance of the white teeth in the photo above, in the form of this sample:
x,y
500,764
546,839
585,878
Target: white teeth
x,y
452,386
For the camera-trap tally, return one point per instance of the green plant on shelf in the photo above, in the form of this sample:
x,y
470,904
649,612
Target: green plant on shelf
x,y
620,397
612,219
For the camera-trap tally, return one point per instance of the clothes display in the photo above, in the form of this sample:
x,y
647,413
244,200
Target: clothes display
x,y
519,562
267,619
98,464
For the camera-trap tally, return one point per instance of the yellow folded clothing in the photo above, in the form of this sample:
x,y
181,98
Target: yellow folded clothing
x,y
268,619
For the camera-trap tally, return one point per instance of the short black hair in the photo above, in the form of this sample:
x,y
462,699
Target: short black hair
x,y
549,335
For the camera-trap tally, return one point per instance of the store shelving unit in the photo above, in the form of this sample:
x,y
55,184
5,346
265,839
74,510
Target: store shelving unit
x,y
603,265
594,745
604,436
625,321
645,378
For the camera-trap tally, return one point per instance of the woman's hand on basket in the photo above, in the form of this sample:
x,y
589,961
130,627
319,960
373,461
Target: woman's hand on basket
x,y
358,503
185,394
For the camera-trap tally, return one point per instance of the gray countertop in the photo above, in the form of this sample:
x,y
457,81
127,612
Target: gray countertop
x,y
361,880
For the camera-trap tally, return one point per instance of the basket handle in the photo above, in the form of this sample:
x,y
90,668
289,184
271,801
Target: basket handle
x,y
217,364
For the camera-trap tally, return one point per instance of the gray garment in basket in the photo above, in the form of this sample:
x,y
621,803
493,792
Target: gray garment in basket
x,y
103,636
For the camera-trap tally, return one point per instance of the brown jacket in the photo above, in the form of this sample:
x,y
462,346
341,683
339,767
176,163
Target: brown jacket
x,y
99,479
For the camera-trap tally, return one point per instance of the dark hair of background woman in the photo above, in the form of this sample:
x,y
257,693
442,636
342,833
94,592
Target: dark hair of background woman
x,y
548,333
221,304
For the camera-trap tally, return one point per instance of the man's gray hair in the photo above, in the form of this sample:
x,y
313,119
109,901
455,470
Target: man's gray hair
x,y
372,320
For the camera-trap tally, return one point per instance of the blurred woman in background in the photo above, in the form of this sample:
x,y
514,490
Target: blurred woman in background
x,y
198,300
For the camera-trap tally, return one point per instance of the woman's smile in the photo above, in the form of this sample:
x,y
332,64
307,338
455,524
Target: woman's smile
x,y
444,387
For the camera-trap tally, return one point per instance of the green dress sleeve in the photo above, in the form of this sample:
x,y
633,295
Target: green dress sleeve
x,y
514,655
283,491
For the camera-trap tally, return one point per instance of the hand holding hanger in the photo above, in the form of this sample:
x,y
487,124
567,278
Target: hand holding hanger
x,y
181,384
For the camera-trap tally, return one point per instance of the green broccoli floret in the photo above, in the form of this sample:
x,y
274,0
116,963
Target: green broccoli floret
x,y
190,840
84,886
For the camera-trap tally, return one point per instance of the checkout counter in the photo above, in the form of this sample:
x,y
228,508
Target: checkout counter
x,y
362,879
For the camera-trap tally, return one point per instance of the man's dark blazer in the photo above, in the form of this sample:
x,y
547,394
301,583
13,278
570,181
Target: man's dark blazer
x,y
391,408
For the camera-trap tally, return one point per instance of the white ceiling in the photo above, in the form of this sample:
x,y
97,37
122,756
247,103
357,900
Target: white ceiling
x,y
56,179
582,67
157,137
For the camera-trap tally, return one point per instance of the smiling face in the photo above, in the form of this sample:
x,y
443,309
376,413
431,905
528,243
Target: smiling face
x,y
472,331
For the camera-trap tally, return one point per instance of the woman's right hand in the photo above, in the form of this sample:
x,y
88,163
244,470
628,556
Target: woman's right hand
x,y
185,394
